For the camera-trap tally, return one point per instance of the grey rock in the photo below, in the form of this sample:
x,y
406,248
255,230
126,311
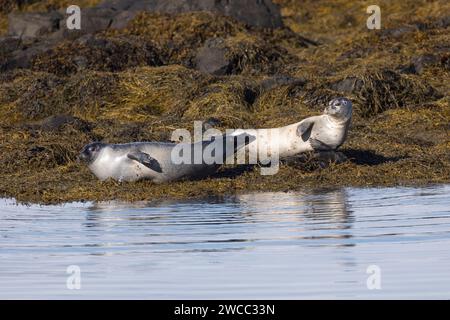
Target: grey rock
x,y
423,61
31,25
347,85
398,32
121,20
420,63
212,59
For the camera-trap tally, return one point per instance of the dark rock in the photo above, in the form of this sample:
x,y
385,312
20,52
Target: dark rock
x,y
96,52
445,61
398,32
421,62
355,53
23,56
418,64
280,80
407,69
443,22
8,45
31,25
56,122
259,13
347,85
229,56
211,58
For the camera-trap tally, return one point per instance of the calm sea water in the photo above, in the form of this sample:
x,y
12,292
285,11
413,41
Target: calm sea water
x,y
261,245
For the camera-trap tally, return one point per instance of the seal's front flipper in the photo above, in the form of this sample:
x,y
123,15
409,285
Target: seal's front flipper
x,y
318,145
304,130
146,160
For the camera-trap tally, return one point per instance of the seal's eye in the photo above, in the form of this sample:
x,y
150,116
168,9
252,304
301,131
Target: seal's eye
x,y
344,102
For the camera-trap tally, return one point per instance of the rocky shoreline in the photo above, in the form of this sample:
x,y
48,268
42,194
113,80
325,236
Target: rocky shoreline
x,y
137,70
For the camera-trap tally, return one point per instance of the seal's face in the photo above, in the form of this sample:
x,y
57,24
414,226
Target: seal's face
x,y
339,108
91,151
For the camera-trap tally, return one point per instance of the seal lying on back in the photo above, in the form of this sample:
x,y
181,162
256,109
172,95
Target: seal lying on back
x,y
155,160
326,132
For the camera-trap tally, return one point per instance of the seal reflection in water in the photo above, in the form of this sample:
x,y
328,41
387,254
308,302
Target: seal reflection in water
x,y
153,160
326,132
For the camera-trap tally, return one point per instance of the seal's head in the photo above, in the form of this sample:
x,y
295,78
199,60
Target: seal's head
x,y
340,108
91,151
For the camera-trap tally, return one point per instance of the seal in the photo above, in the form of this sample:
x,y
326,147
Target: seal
x,y
326,132
155,160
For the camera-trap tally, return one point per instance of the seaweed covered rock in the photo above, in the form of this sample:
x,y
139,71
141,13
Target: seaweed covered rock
x,y
180,36
228,101
256,13
37,95
146,93
379,91
116,15
19,53
190,39
238,54
98,53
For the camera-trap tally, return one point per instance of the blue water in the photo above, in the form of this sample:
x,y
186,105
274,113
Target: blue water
x,y
260,245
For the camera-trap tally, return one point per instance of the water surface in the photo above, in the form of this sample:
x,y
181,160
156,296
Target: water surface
x,y
261,245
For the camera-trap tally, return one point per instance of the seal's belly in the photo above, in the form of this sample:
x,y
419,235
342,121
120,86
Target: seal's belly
x,y
331,135
120,168
282,142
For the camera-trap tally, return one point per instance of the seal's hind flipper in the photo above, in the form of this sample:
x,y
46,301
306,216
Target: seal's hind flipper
x,y
304,130
146,160
318,145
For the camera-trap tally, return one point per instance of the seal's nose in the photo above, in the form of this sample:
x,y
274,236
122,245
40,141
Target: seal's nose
x,y
82,157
